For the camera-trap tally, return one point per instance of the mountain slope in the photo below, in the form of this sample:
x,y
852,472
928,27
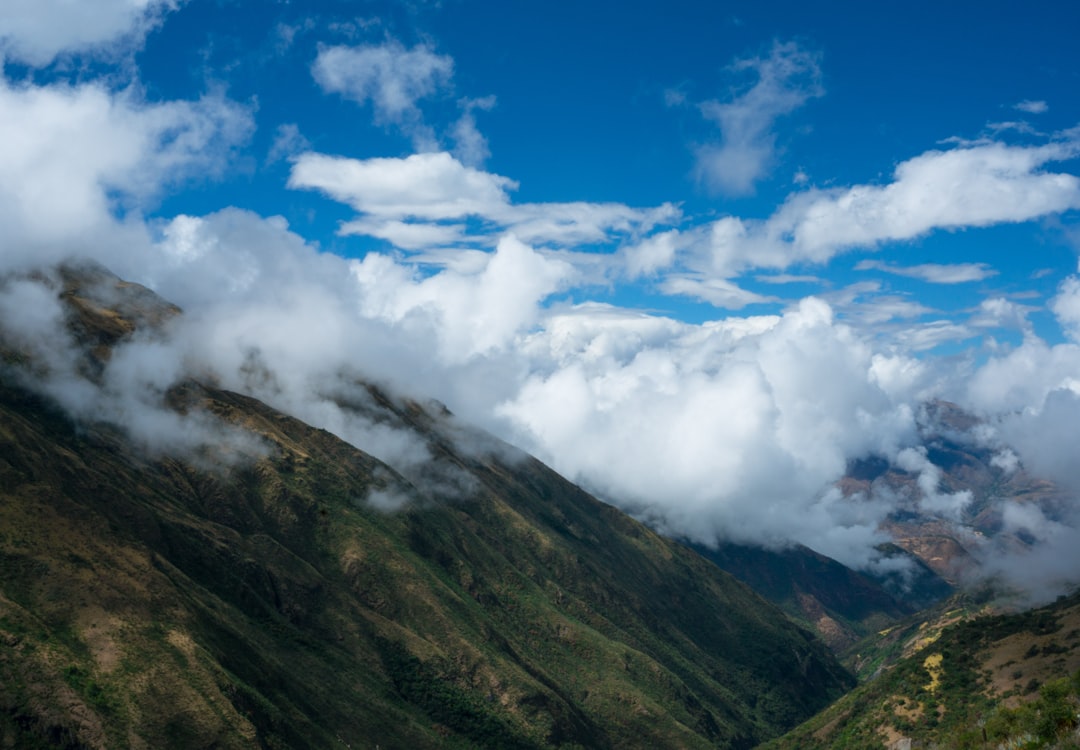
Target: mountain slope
x,y
840,604
258,593
990,681
955,546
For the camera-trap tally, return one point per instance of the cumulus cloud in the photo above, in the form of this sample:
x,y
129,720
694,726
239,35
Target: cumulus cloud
x,y
76,157
475,313
784,81
1066,307
35,32
734,428
998,312
715,430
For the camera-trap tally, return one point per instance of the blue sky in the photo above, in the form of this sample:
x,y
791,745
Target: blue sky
x,y
697,256
603,102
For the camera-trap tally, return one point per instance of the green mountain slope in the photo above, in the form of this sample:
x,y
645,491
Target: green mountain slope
x,y
989,681
195,600
840,604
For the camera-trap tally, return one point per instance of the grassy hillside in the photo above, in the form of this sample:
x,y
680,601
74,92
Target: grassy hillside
x,y
986,682
157,601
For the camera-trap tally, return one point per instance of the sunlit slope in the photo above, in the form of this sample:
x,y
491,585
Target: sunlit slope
x,y
148,600
989,681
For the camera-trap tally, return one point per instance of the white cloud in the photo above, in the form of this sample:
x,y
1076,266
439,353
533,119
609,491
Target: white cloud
x,y
1032,107
788,278
735,427
1022,377
997,312
75,156
929,335
785,80
470,145
717,292
1066,307
651,254
426,197
969,186
288,142
37,31
934,273
1006,460
732,429
948,505
875,309
430,186
392,78
474,313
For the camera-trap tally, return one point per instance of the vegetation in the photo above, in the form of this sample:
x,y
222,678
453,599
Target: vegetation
x,y
185,600
838,603
1000,681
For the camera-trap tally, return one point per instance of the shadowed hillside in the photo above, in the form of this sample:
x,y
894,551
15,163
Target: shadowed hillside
x,y
280,588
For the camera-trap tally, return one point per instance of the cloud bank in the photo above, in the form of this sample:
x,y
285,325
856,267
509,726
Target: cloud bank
x,y
736,427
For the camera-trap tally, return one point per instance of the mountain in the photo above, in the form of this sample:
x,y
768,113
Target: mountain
x,y
261,583
840,604
950,544
944,555
1006,680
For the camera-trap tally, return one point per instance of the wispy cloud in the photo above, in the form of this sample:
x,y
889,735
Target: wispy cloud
x,y
288,142
934,273
969,186
391,78
784,81
1032,107
427,199
717,292
470,145
788,278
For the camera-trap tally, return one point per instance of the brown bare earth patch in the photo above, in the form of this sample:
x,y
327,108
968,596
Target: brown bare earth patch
x,y
826,731
905,709
891,737
101,632
1024,659
933,544
835,635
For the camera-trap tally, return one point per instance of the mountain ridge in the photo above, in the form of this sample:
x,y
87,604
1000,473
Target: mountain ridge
x,y
258,594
